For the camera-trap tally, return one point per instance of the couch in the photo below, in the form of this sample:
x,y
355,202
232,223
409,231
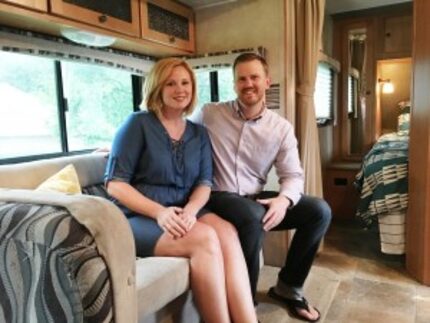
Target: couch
x,y
71,258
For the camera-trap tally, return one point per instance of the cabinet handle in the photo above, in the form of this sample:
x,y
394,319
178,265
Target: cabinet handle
x,y
172,39
102,18
387,34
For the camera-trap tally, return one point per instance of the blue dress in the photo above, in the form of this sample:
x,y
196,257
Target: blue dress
x,y
164,170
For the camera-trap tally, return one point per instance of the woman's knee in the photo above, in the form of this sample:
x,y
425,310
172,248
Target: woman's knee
x,y
204,238
227,233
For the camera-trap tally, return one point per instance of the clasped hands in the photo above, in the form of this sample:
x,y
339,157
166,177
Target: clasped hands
x,y
176,221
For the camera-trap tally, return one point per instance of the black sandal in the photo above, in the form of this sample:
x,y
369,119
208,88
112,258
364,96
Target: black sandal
x,y
293,305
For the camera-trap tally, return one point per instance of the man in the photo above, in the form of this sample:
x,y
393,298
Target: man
x,y
247,140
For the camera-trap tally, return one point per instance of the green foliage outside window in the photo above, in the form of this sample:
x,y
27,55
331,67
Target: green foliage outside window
x,y
98,100
226,85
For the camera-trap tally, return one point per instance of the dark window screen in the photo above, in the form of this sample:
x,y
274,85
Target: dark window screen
x,y
120,9
167,22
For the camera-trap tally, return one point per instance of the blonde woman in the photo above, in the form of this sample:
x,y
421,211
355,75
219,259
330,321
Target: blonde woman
x,y
160,173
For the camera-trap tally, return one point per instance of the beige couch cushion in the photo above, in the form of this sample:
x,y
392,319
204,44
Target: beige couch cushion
x,y
158,281
90,169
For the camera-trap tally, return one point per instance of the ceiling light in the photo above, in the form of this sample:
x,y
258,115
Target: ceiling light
x,y
87,38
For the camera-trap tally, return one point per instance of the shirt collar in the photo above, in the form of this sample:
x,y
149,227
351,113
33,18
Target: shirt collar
x,y
237,107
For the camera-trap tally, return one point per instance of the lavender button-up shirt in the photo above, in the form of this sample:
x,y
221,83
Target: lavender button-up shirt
x,y
244,151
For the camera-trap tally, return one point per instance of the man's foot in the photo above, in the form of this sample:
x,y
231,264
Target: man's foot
x,y
298,308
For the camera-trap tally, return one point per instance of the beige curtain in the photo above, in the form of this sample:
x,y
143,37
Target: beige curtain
x,y
309,16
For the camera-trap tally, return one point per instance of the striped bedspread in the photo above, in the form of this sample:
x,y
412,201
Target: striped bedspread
x,y
383,178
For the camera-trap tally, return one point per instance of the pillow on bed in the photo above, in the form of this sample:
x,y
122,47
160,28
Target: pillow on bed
x,y
404,117
65,181
403,123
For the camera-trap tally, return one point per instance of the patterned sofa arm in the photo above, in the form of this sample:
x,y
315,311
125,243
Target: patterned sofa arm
x,y
50,268
103,222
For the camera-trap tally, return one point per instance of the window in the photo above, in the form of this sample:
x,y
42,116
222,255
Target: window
x,y
50,107
98,99
28,109
324,93
226,85
352,96
203,87
214,86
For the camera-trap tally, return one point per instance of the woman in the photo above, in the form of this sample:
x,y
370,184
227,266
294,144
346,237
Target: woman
x,y
160,173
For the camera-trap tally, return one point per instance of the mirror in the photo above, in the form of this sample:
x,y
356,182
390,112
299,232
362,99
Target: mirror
x,y
356,93
354,132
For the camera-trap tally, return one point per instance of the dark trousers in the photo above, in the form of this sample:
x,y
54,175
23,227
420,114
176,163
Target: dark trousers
x,y
310,217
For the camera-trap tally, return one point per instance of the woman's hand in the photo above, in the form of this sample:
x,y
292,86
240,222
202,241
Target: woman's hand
x,y
188,215
170,219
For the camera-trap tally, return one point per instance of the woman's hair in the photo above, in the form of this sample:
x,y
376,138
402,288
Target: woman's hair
x,y
156,80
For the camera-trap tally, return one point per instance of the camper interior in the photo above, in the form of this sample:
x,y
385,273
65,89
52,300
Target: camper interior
x,y
357,94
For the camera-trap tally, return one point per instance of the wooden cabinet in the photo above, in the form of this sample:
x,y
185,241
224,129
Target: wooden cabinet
x,y
339,190
168,27
41,5
168,22
397,37
117,15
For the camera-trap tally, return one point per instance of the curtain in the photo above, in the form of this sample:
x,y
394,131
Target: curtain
x,y
309,16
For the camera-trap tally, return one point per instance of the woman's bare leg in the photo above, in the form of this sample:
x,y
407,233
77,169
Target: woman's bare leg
x,y
202,247
237,282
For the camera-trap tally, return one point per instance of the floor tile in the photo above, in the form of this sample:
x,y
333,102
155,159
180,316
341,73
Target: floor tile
x,y
391,272
351,281
383,296
363,314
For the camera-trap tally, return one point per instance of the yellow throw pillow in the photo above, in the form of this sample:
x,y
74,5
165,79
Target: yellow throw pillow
x,y
65,181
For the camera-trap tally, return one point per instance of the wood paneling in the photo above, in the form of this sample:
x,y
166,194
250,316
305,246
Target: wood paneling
x,y
398,36
100,19
395,20
41,5
418,217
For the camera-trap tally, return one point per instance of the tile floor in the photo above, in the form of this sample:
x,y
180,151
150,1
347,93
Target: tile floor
x,y
352,281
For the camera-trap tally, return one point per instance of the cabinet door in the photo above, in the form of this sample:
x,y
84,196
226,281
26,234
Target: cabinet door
x,y
41,5
398,35
117,15
340,193
168,22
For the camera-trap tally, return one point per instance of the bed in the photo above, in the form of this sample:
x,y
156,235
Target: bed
x,y
383,185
